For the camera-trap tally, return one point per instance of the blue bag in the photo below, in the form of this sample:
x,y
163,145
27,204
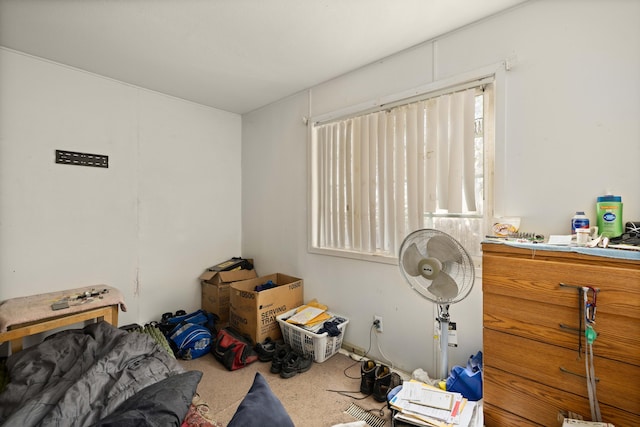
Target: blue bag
x,y
190,335
191,341
200,317
467,381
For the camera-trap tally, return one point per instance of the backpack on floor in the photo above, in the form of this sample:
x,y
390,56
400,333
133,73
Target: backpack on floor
x,y
199,317
191,341
233,350
190,335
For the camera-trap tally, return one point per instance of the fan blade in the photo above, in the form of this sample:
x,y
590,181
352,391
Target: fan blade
x,y
444,287
411,260
443,249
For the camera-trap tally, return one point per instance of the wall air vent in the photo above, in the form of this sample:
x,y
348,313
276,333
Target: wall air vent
x,y
82,159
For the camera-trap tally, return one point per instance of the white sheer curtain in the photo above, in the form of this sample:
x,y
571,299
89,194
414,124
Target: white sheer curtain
x,y
379,173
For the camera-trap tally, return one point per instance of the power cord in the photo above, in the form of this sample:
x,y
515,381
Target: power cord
x,y
361,358
379,410
384,355
357,362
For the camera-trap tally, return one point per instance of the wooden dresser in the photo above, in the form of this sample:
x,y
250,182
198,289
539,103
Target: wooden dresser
x,y
532,365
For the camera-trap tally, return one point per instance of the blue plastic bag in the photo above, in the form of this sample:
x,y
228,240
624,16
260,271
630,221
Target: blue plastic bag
x,y
467,381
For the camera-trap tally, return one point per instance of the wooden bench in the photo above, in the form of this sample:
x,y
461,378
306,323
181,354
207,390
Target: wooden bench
x,y
46,319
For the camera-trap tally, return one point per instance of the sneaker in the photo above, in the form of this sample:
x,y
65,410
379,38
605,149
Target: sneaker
x,y
279,357
367,376
382,383
296,363
266,349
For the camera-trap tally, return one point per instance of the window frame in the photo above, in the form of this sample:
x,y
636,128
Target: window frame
x,y
491,76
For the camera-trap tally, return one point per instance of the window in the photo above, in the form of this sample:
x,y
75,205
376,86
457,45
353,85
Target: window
x,y
424,163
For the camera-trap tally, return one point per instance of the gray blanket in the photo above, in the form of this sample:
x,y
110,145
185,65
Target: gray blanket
x,y
77,377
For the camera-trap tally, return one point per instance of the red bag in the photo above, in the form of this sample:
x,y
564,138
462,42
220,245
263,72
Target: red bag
x,y
233,350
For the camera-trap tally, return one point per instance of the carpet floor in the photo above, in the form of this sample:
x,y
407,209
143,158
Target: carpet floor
x,y
309,398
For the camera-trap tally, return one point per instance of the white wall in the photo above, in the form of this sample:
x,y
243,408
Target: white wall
x,y
174,200
167,207
568,130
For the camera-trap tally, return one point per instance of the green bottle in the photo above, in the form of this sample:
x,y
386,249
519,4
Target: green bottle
x,y
609,212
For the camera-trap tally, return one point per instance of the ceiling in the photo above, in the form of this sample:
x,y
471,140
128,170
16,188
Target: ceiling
x,y
235,55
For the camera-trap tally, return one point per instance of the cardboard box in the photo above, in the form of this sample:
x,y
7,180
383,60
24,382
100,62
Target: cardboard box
x,y
215,290
235,263
254,313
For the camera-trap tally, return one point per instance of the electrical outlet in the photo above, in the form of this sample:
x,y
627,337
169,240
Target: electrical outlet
x,y
378,325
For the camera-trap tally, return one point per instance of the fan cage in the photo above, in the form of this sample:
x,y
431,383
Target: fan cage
x,y
463,273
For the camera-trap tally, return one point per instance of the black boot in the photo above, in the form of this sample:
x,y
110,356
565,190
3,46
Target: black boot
x,y
280,356
381,385
367,376
266,349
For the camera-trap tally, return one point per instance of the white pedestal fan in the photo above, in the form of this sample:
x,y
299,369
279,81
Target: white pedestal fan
x,y
437,267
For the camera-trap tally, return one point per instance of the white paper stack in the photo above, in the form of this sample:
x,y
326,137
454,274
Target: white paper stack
x,y
420,404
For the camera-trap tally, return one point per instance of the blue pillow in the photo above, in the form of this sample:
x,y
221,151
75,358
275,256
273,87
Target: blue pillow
x,y
260,407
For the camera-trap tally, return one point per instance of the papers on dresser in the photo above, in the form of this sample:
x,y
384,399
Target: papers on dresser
x,y
560,240
430,405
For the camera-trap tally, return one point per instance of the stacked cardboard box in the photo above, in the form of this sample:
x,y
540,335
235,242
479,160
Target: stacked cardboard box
x,y
253,313
216,286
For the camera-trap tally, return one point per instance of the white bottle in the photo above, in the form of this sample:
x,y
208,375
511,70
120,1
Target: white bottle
x,y
579,220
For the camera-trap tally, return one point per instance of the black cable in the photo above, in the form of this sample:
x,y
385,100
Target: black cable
x,y
363,356
379,410
347,393
349,367
344,392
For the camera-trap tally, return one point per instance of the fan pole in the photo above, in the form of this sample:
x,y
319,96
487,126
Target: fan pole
x,y
443,319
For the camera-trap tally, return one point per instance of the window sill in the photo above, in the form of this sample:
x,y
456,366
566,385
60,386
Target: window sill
x,y
342,253
384,259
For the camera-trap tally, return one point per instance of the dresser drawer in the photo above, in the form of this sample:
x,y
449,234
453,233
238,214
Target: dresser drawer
x,y
618,336
498,417
533,370
540,403
562,368
539,280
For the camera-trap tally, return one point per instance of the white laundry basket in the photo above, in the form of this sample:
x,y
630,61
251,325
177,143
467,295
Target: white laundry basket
x,y
320,346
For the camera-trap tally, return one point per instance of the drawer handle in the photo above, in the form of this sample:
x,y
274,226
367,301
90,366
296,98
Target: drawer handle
x,y
566,371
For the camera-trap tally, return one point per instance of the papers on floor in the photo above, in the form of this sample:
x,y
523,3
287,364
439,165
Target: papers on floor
x,y
424,405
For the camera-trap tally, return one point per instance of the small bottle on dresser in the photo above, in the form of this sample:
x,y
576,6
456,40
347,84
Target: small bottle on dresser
x,y
579,220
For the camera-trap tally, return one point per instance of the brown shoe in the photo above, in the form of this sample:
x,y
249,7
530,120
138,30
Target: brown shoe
x,y
381,385
367,376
